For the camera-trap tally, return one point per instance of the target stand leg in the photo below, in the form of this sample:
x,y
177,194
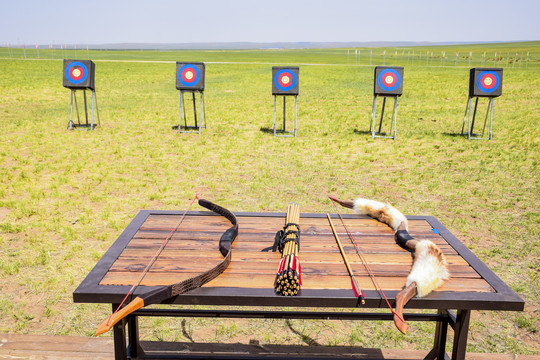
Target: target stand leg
x,y
198,123
70,123
372,122
87,125
85,109
94,98
393,127
284,132
469,112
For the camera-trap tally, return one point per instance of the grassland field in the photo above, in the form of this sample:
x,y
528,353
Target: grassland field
x,y
65,196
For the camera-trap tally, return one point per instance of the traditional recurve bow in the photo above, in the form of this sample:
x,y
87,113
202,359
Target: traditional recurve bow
x,y
429,270
166,292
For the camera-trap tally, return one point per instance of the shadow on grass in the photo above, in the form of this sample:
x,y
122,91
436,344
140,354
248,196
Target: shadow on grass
x,y
279,132
455,135
267,130
306,339
362,132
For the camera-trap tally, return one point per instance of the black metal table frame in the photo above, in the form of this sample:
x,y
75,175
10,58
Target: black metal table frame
x,y
127,344
132,349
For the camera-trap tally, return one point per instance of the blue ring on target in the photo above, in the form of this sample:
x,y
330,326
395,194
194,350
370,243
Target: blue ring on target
x,y
68,75
494,87
294,79
195,70
383,85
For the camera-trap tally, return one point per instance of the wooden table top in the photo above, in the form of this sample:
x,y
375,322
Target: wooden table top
x,y
249,279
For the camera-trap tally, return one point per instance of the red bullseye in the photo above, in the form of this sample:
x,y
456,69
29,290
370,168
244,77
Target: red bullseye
x,y
76,72
488,81
285,80
389,79
189,75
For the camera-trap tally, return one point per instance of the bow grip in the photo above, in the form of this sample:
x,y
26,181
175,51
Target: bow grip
x,y
227,239
401,237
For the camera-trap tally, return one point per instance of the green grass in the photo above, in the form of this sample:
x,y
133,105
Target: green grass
x,y
65,196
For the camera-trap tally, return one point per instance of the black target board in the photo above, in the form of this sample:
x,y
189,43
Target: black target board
x,y
485,82
285,80
79,74
388,81
190,76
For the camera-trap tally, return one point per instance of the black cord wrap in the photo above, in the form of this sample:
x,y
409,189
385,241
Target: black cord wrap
x,y
282,237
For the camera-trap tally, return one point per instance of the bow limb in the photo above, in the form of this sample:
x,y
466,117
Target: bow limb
x,y
402,298
166,292
152,297
228,236
345,203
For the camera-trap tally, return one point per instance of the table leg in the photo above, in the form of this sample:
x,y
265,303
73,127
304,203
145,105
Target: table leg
x,y
119,331
461,331
439,344
133,336
441,329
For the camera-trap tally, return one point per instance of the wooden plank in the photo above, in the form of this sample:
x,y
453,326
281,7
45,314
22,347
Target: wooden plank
x,y
402,258
257,242
268,238
249,224
310,281
270,267
47,347
15,346
308,246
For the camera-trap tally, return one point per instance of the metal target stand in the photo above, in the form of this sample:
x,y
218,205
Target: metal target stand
x,y
284,131
90,126
198,125
483,82
80,75
388,82
470,124
379,133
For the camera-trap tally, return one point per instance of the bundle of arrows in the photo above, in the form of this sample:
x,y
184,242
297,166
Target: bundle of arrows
x,y
289,273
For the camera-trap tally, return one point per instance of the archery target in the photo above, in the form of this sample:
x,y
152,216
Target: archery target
x,y
189,76
485,82
388,80
285,80
488,81
78,74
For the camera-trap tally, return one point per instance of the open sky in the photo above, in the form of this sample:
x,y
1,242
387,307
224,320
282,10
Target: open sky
x,y
181,21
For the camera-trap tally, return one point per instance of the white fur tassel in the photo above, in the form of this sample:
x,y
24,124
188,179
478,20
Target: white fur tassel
x,y
383,212
429,269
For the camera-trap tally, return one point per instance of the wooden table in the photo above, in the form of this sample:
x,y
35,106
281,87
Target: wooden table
x,y
248,281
